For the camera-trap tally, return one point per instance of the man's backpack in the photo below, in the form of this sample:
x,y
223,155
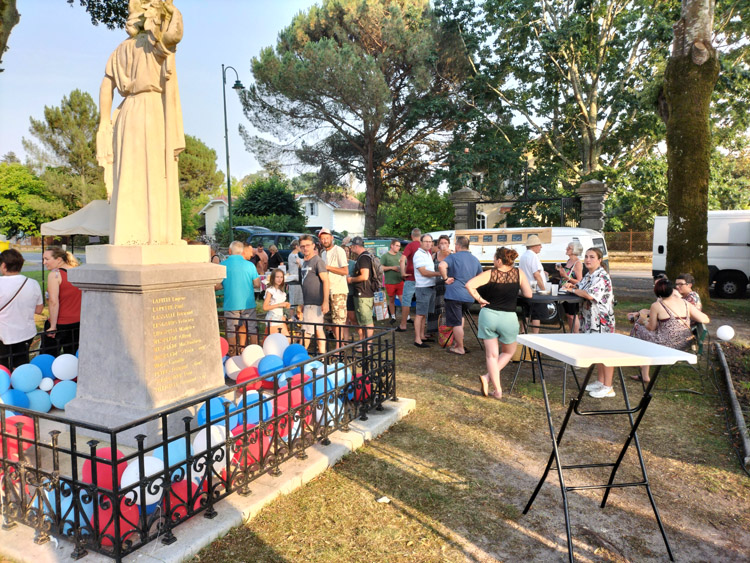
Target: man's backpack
x,y
376,272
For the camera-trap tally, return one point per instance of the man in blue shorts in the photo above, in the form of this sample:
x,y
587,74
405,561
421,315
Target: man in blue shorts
x,y
456,270
239,297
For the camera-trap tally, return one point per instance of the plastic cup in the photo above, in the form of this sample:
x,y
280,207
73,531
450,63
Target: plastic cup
x,y
555,288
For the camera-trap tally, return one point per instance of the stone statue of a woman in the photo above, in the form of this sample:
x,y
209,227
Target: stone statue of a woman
x,y
138,144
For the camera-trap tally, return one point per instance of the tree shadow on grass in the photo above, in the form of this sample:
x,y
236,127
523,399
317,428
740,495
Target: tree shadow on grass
x,y
473,498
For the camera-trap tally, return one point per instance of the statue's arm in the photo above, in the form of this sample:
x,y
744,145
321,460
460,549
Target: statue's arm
x,y
172,34
104,150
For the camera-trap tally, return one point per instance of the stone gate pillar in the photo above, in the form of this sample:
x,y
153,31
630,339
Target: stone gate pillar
x,y
593,193
465,206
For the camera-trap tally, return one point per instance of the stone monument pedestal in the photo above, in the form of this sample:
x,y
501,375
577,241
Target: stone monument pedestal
x,y
149,335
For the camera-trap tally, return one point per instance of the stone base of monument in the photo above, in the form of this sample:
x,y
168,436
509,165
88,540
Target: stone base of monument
x,y
149,337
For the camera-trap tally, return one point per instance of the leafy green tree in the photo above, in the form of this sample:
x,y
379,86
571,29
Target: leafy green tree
x,y
197,168
578,73
358,87
67,141
25,201
268,196
427,209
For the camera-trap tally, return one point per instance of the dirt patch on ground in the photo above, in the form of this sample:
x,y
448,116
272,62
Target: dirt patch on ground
x,y
738,361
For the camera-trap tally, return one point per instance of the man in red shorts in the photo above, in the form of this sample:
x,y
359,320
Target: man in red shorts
x,y
394,285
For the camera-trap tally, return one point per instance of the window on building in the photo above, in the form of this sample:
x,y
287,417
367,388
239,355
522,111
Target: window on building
x,y
222,212
481,221
312,209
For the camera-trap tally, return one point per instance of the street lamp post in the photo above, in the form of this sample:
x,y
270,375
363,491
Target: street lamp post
x,y
237,86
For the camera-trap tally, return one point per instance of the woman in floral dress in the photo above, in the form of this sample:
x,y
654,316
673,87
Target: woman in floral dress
x,y
597,313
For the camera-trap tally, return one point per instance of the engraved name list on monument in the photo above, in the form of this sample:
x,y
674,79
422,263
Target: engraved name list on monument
x,y
177,349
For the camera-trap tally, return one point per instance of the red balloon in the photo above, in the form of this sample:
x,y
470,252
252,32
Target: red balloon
x,y
248,374
282,404
27,433
224,346
179,501
129,517
104,469
364,392
257,446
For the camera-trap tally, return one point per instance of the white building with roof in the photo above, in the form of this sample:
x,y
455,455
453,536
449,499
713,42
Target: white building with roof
x,y
342,213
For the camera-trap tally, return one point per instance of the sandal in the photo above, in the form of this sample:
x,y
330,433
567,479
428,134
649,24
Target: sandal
x,y
485,386
640,379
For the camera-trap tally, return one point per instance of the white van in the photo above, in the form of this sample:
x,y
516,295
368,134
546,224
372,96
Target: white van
x,y
728,251
484,242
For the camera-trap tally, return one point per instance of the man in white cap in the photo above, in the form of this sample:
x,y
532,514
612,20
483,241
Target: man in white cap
x,y
532,267
337,266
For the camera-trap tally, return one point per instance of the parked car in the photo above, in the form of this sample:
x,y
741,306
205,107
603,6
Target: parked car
x,y
251,229
281,240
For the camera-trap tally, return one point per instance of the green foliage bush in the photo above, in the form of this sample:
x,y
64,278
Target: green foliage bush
x,y
265,197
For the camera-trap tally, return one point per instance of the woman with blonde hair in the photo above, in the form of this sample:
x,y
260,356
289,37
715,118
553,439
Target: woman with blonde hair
x,y
64,302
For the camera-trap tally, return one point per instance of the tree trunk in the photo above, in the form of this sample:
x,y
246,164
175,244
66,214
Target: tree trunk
x,y
373,190
689,82
10,17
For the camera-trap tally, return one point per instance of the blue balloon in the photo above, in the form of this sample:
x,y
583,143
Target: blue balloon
x,y
253,408
217,412
26,378
62,393
44,363
177,451
16,398
294,350
269,364
4,382
39,400
297,358
67,511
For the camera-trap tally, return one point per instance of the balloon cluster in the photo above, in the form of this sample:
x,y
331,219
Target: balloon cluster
x,y
43,383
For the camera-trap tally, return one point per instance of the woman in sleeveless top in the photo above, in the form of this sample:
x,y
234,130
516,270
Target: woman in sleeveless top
x,y
498,319
64,301
667,322
572,272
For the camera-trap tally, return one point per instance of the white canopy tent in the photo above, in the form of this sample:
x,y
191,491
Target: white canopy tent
x,y
93,220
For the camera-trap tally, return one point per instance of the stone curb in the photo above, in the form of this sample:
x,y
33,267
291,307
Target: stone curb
x,y
198,532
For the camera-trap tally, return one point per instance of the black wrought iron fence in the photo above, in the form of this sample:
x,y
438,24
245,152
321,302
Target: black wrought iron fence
x,y
77,481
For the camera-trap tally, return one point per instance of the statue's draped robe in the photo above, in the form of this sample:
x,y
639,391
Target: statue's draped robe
x,y
147,139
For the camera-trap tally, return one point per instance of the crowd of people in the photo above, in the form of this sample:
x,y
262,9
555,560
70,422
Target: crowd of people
x,y
323,285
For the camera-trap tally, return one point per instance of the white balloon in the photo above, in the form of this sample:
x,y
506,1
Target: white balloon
x,y
65,367
233,366
152,466
275,344
252,354
46,384
200,446
725,332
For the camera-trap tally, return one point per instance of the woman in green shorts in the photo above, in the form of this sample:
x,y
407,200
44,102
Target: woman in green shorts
x,y
498,319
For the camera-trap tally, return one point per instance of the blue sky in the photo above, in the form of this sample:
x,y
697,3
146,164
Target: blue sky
x,y
55,49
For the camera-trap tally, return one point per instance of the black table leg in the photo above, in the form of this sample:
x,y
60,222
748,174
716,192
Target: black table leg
x,y
634,437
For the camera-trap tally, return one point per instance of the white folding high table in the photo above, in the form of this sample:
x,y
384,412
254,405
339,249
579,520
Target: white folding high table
x,y
586,351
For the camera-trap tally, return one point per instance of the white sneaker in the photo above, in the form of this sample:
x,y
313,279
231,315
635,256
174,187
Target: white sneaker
x,y
602,392
594,386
